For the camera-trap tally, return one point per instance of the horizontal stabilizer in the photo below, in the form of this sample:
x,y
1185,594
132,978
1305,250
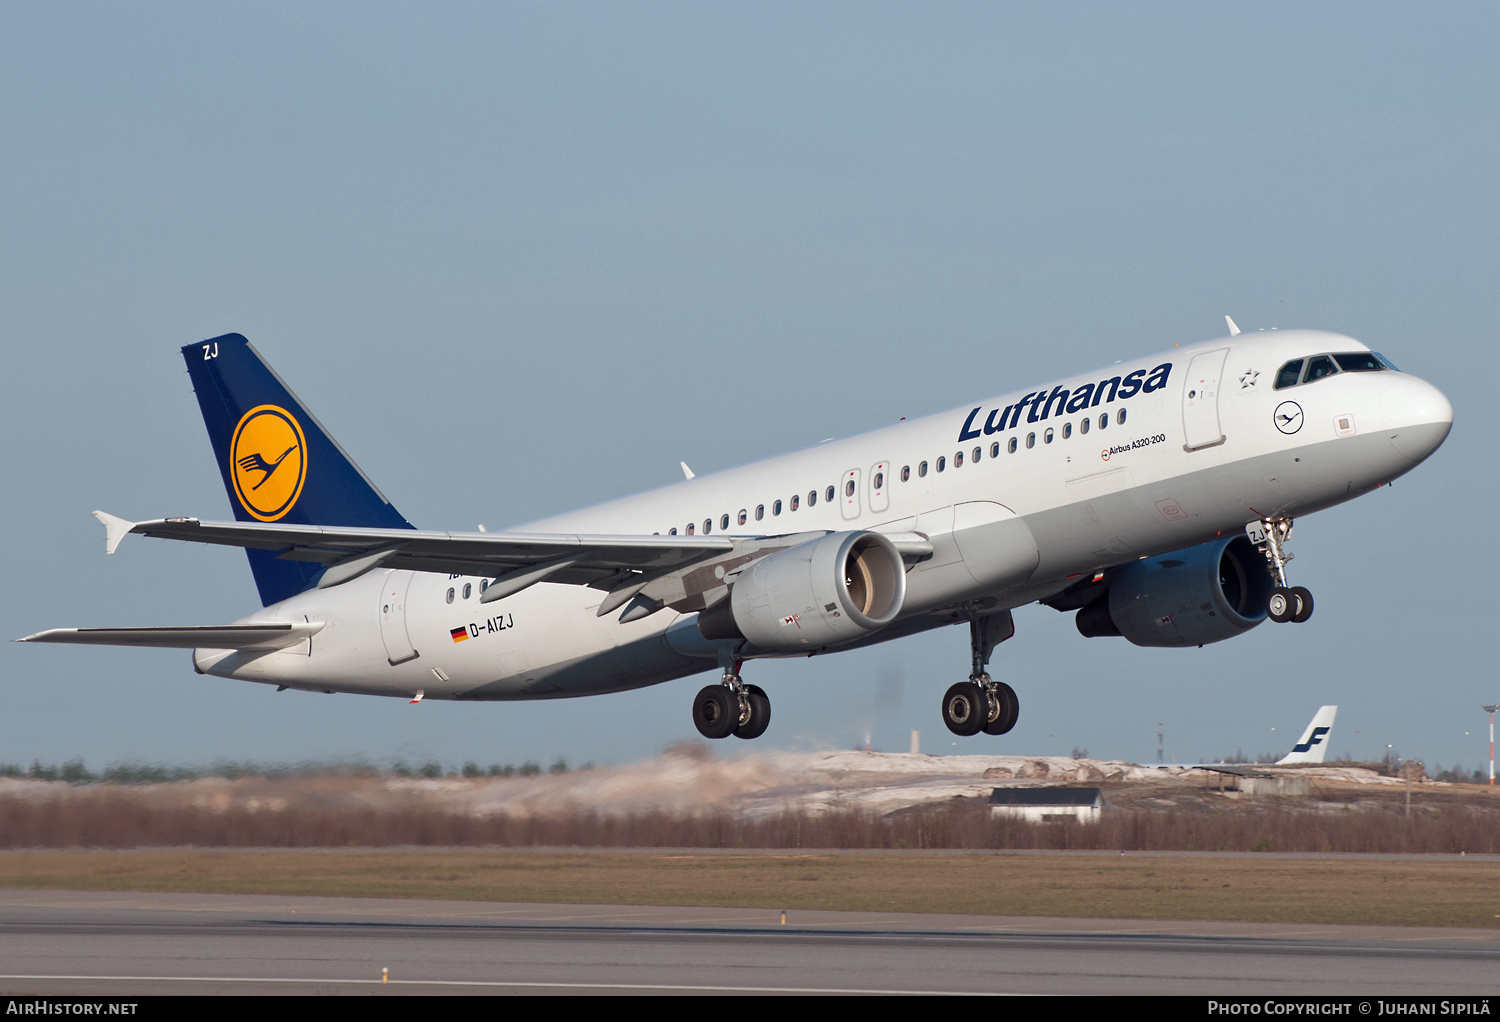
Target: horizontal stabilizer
x,y
259,636
115,529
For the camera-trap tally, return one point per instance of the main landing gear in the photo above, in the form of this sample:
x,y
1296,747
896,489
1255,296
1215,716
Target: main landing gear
x,y
982,703
731,707
1286,603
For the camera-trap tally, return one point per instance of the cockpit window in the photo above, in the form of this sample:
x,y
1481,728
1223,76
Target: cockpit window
x,y
1318,367
1359,362
1386,362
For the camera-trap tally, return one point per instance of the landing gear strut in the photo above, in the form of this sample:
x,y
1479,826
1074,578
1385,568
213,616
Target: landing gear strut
x,y
982,703
731,707
1286,603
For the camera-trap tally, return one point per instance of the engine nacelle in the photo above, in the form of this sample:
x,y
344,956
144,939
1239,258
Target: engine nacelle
x,y
1185,598
821,593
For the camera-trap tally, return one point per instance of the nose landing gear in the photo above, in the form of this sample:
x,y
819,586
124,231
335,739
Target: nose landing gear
x,y
1286,603
982,703
731,707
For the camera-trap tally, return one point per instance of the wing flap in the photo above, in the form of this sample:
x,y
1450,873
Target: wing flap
x,y
272,635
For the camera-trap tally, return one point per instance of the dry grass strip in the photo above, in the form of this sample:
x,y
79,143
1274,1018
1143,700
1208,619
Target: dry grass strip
x,y
1408,892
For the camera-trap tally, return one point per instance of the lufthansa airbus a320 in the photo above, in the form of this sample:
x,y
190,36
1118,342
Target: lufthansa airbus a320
x,y
1154,498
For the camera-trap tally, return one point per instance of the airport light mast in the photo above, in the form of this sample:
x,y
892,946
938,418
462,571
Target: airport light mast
x,y
1491,711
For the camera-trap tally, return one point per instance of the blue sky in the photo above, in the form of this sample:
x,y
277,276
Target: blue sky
x,y
523,257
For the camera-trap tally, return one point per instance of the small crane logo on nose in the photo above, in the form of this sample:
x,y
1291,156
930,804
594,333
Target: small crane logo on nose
x,y
1288,417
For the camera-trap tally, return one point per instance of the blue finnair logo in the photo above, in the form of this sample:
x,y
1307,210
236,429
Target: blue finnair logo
x,y
1316,738
1065,401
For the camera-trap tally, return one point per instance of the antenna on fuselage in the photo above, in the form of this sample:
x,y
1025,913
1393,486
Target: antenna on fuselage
x,y
686,472
1234,331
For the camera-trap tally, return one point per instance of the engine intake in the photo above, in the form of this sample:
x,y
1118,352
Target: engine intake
x,y
1188,597
822,593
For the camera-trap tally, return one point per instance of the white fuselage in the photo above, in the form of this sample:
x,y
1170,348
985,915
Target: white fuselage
x,y
1191,461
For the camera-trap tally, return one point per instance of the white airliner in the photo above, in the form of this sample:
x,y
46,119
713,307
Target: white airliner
x,y
1154,498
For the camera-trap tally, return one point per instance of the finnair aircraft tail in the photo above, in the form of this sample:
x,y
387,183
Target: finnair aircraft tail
x,y
1314,743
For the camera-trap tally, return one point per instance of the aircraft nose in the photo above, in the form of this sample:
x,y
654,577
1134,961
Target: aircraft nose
x,y
1417,416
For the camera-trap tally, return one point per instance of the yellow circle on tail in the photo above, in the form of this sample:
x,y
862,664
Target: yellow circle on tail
x,y
268,462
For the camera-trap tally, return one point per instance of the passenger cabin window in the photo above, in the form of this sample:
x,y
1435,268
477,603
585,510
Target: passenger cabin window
x,y
977,452
724,523
1289,374
922,469
812,497
879,480
708,526
796,502
672,531
1083,427
829,494
942,464
690,528
760,512
1120,417
1318,367
1047,436
450,594
958,459
1067,430
906,473
776,507
468,589
849,488
1011,447
995,449
1104,420
743,516
1030,441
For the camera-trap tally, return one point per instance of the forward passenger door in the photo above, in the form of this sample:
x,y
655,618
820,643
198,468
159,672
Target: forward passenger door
x,y
1200,400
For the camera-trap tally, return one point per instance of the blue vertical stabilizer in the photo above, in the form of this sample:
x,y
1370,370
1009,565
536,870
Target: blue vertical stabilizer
x,y
278,463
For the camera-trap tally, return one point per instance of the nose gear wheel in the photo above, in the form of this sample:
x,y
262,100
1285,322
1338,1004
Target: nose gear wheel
x,y
1285,603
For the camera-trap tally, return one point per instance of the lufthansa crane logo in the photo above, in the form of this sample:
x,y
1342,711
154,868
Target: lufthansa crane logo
x,y
268,461
1288,417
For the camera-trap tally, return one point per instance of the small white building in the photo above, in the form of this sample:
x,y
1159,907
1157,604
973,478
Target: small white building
x,y
1276,785
1048,805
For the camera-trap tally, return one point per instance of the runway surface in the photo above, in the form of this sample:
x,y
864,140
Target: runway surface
x,y
66,942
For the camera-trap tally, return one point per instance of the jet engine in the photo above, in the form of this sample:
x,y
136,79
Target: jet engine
x,y
821,593
1185,598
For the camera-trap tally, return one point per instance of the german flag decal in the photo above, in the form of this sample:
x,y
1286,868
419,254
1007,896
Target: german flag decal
x,y
459,634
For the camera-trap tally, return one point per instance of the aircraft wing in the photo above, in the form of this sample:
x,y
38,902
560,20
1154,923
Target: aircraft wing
x,y
256,636
678,571
458,553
